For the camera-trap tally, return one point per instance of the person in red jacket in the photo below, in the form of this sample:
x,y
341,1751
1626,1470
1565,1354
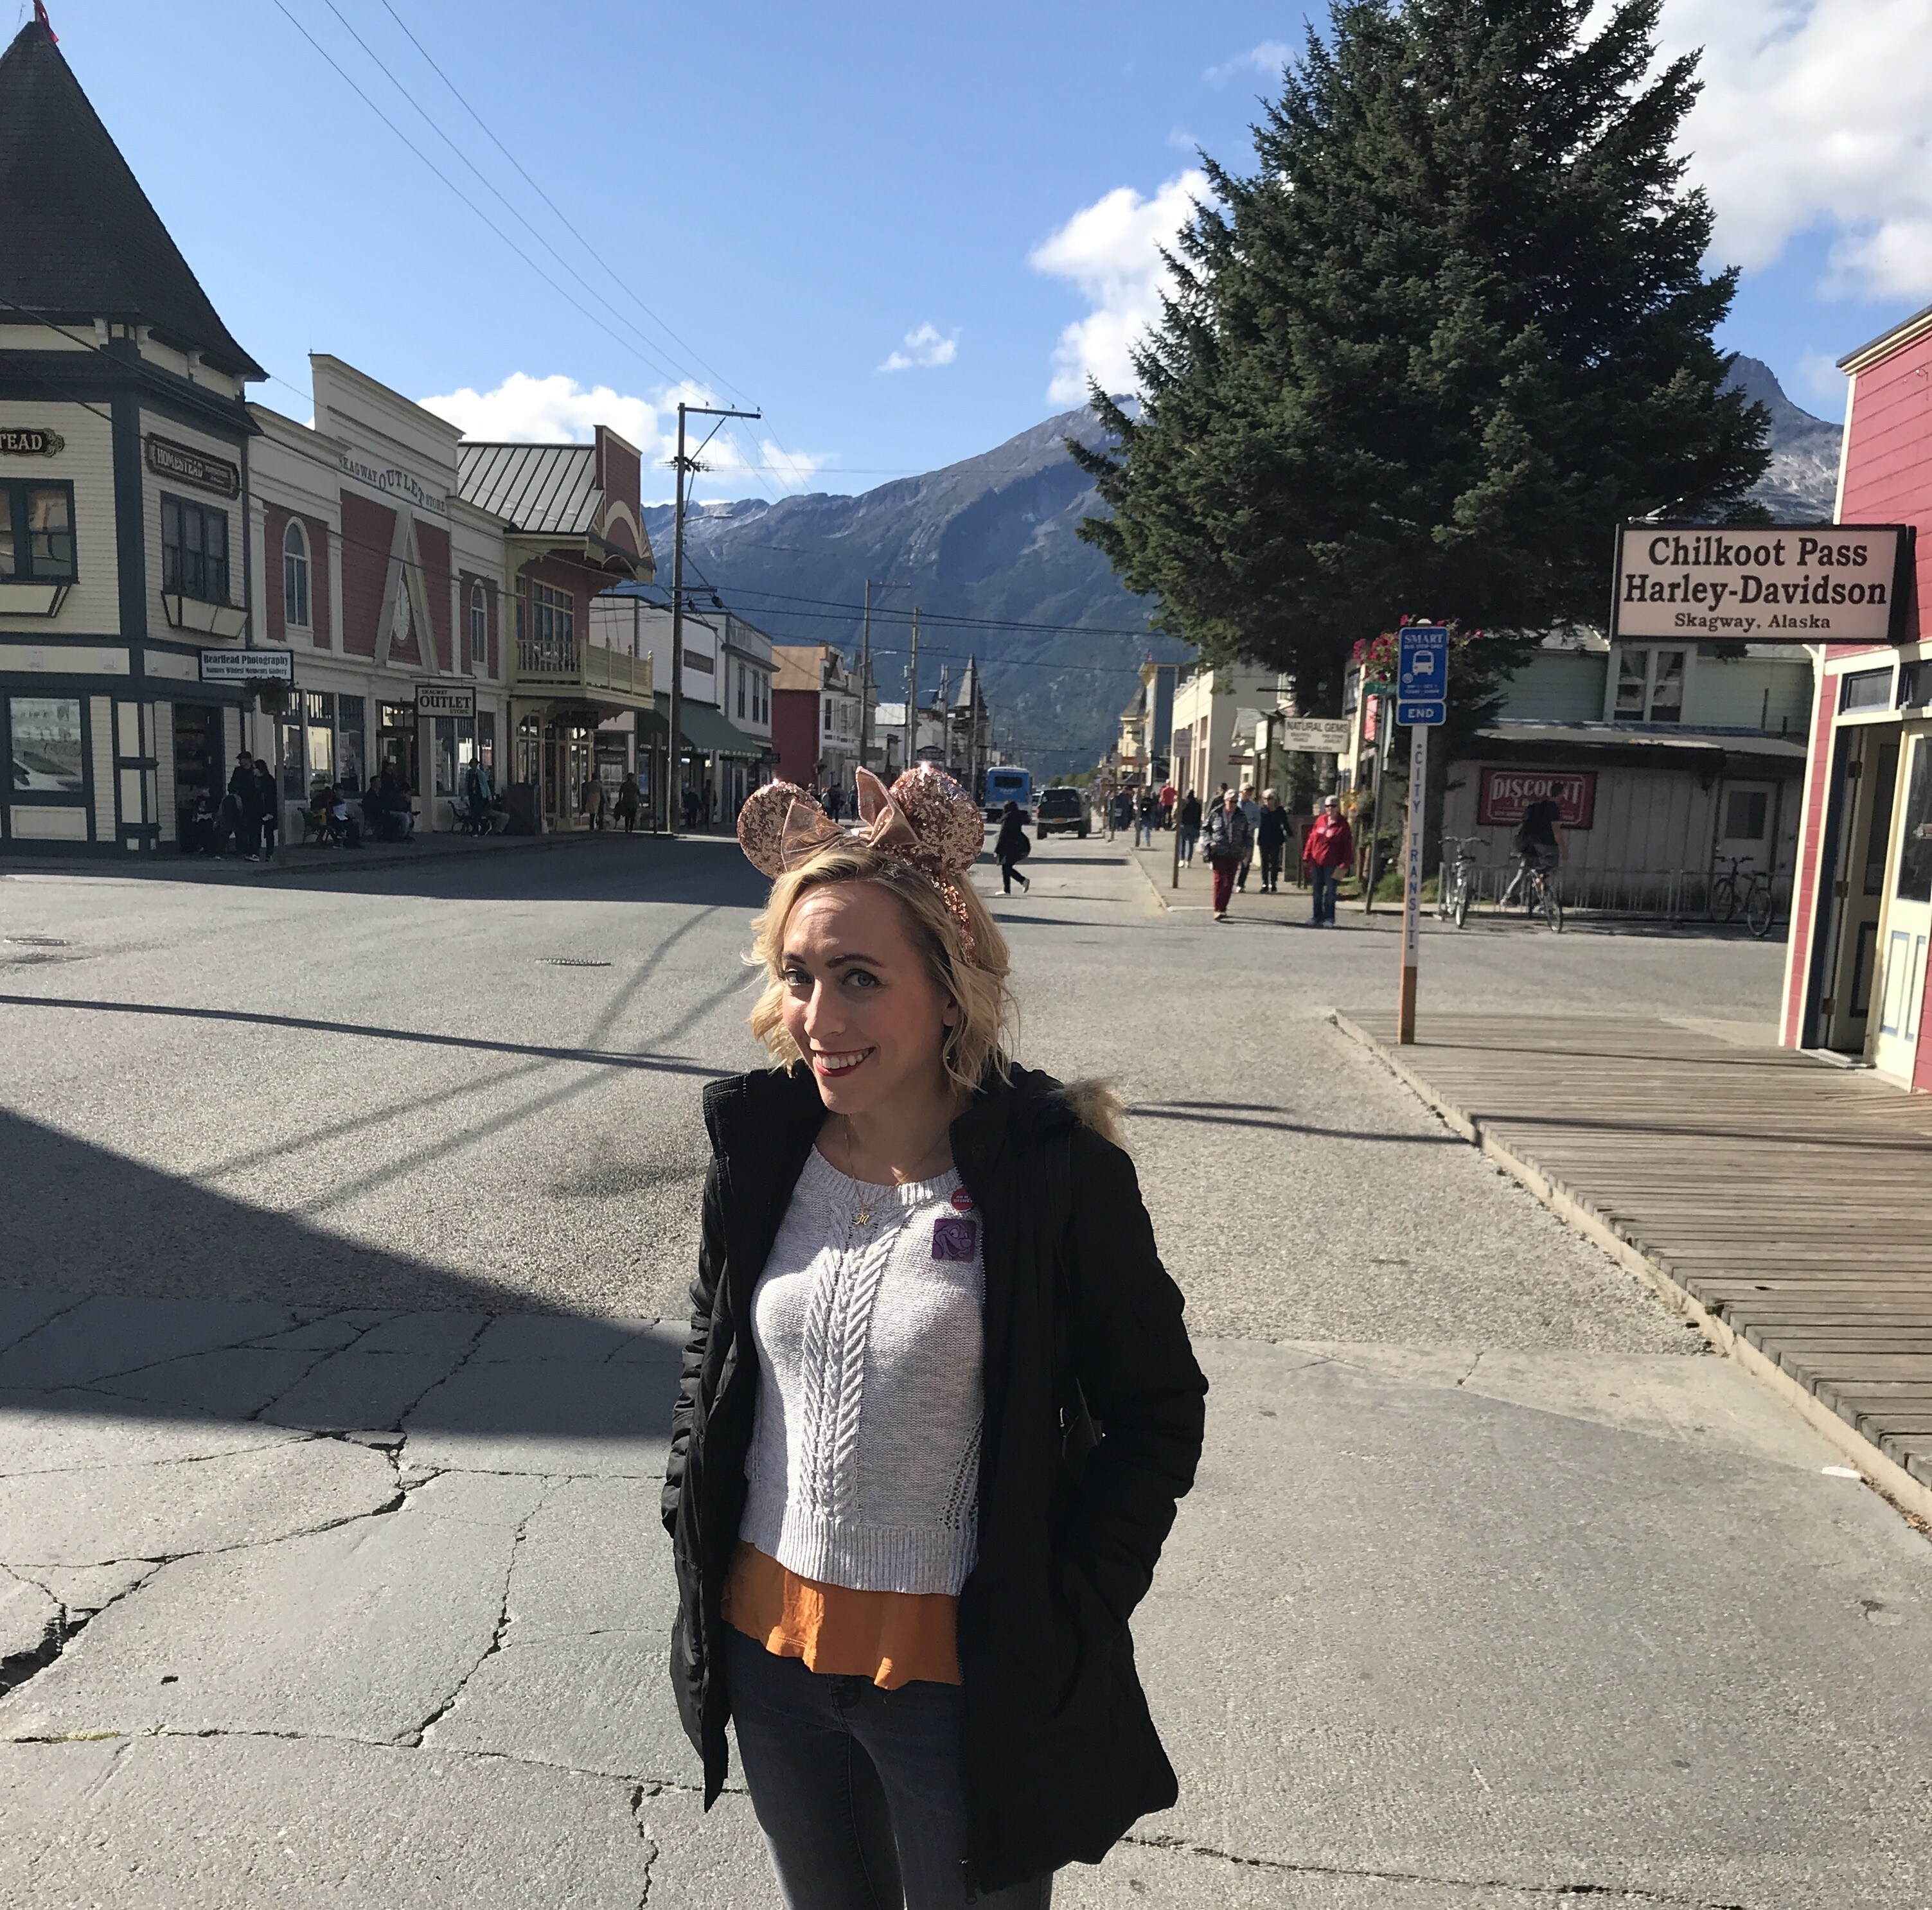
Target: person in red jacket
x,y
1327,849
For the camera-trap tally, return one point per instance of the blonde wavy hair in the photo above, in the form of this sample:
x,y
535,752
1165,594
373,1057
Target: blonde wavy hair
x,y
983,1036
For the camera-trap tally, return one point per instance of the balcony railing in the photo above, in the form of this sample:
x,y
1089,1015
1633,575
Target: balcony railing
x,y
581,666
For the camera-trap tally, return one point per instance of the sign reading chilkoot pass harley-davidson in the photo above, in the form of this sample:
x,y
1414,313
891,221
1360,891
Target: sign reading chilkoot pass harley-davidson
x,y
1807,583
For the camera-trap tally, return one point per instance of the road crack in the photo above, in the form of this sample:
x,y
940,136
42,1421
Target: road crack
x,y
1557,1893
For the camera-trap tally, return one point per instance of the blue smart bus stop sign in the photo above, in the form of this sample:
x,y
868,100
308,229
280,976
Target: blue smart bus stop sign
x,y
1422,674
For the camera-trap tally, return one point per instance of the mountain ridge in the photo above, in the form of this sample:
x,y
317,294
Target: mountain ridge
x,y
992,542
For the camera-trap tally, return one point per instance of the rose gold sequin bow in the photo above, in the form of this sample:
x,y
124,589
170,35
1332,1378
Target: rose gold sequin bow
x,y
925,822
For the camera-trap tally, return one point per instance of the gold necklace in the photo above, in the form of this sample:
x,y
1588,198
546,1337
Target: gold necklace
x,y
864,1215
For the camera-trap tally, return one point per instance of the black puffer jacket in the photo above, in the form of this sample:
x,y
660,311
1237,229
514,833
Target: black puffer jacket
x,y
1061,1755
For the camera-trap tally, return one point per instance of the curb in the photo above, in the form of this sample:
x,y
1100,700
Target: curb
x,y
348,861
1885,1476
1133,856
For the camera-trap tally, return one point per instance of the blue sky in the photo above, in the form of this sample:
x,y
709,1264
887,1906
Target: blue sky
x,y
905,232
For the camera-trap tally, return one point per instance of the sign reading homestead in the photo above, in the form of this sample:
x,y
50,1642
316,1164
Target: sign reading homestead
x,y
1811,583
186,466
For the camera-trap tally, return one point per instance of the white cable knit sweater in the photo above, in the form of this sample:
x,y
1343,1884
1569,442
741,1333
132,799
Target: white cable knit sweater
x,y
864,1459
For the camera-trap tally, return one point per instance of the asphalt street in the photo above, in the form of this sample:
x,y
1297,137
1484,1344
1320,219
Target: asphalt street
x,y
347,1222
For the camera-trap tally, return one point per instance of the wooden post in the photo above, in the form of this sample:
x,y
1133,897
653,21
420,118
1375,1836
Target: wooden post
x,y
1411,887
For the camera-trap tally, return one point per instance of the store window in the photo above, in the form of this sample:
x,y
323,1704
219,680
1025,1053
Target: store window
x,y
1650,686
36,532
320,711
552,638
479,626
295,575
396,740
44,747
1865,689
194,549
1915,846
486,740
350,716
443,754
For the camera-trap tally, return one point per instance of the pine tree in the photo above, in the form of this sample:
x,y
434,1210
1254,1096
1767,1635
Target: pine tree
x,y
1454,326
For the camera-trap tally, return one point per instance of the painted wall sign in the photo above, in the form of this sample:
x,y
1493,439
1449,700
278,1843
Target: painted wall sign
x,y
247,667
445,699
1804,583
30,441
1506,793
186,466
395,483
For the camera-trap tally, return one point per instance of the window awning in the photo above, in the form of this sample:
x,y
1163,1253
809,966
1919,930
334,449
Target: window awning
x,y
711,733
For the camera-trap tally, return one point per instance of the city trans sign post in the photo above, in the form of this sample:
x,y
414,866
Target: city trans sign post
x,y
1803,584
1421,702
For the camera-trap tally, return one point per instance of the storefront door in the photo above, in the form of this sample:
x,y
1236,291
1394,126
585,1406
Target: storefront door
x,y
1862,801
1907,921
568,742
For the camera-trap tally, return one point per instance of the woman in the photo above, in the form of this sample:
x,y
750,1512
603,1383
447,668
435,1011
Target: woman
x,y
1190,827
1011,848
1327,849
271,809
1227,845
628,795
906,1554
1271,837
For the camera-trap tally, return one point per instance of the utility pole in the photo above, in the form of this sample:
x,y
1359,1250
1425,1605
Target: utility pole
x,y
866,668
674,773
912,696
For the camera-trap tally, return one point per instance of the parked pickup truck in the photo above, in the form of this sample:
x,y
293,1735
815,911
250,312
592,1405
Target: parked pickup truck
x,y
1062,808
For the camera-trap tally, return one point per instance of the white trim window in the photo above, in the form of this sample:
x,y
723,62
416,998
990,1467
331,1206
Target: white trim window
x,y
479,626
296,612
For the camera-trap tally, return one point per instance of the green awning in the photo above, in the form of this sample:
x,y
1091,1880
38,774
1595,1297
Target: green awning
x,y
711,733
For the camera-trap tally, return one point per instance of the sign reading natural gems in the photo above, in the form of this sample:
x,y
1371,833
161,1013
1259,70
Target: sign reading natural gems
x,y
1807,583
186,466
1322,735
30,441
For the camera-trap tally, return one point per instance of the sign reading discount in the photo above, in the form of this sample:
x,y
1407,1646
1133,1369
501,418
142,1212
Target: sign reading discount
x,y
1505,795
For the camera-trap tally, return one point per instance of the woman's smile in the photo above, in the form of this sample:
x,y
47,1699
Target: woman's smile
x,y
825,1063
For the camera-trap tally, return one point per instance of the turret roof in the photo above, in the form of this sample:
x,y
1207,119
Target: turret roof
x,y
78,239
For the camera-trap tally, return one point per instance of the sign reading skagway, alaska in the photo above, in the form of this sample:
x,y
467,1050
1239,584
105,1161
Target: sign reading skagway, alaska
x,y
1807,583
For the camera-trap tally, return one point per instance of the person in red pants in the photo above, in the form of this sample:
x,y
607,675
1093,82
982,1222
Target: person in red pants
x,y
1228,841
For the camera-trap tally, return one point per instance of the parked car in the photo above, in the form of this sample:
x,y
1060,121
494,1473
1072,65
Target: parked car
x,y
1062,808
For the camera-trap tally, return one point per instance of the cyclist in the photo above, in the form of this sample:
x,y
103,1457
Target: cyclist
x,y
1538,842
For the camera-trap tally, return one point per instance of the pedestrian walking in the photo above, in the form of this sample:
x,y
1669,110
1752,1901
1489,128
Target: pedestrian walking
x,y
1271,834
246,811
1169,796
1229,841
1190,828
1252,810
1327,849
1147,813
590,800
908,1238
1011,848
271,808
628,794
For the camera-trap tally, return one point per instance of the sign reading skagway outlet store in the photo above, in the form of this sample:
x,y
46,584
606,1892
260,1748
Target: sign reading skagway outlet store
x,y
1806,583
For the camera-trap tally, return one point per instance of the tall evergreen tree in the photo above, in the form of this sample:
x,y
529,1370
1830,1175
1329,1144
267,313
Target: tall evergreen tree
x,y
1454,326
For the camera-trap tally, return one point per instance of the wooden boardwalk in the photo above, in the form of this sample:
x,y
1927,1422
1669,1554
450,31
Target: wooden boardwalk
x,y
1789,1201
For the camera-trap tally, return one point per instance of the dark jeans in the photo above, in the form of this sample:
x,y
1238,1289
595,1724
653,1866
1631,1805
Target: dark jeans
x,y
858,1791
1270,864
1007,871
1325,882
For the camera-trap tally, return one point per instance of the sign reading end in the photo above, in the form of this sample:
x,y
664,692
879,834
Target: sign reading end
x,y
1422,675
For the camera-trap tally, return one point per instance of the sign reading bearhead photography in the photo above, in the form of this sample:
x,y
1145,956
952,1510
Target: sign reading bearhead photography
x,y
1809,583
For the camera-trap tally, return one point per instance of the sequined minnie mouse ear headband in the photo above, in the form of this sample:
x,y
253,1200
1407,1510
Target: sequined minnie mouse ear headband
x,y
925,822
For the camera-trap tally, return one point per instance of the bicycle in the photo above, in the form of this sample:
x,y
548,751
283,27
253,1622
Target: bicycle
x,y
1753,903
1457,884
1538,886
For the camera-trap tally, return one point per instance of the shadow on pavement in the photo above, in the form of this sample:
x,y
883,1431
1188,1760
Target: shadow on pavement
x,y
667,1064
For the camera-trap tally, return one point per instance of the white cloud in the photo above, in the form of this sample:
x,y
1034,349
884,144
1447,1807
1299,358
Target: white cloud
x,y
1111,250
1815,113
527,410
1268,58
925,345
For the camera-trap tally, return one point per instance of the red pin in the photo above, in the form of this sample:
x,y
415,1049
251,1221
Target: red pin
x,y
962,1200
